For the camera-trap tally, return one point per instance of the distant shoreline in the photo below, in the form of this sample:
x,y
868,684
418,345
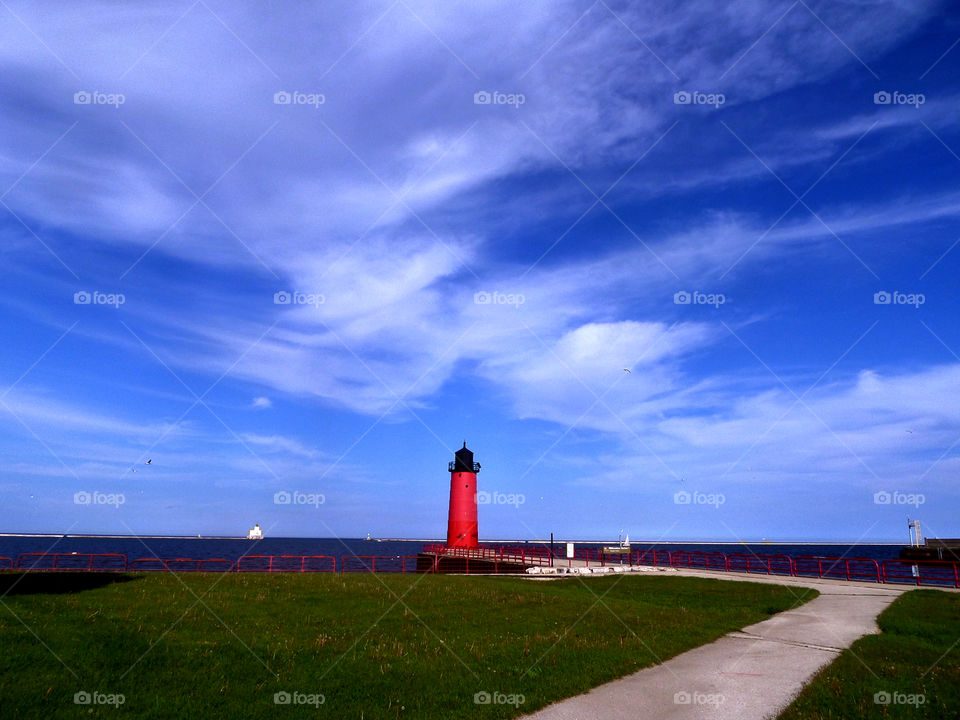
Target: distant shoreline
x,y
440,540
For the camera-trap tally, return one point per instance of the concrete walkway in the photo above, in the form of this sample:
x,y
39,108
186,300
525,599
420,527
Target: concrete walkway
x,y
746,675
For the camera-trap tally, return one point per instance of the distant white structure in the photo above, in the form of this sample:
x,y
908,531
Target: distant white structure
x,y
916,535
255,533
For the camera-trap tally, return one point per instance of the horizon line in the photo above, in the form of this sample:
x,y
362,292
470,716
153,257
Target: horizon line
x,y
492,540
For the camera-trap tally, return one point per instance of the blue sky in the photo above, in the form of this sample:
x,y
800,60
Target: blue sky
x,y
719,199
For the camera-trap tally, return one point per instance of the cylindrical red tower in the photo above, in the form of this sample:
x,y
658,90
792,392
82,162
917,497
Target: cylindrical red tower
x,y
462,520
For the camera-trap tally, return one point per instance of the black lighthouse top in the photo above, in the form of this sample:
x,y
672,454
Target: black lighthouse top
x,y
463,461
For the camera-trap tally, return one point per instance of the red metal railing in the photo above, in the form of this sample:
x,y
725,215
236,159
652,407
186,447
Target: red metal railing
x,y
516,554
650,557
506,559
103,562
697,559
709,560
589,555
287,563
807,565
378,563
924,572
768,564
318,564
147,565
603,557
830,567
780,565
466,565
864,569
838,568
180,565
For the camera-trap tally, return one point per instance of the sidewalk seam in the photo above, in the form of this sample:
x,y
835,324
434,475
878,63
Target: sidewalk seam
x,y
780,641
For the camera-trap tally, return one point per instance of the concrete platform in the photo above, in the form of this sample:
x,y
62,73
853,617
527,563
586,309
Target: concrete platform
x,y
751,674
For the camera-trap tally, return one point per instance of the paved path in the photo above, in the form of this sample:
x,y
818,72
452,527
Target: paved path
x,y
746,675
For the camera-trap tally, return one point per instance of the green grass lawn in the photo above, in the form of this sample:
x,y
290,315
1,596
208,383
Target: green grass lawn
x,y
917,654
347,638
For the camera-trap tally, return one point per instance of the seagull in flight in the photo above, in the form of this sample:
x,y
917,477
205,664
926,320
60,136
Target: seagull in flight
x,y
627,370
148,462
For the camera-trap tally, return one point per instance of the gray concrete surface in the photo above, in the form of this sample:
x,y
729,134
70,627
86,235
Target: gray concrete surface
x,y
746,675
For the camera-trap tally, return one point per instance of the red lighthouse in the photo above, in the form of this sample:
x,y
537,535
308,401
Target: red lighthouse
x,y
462,520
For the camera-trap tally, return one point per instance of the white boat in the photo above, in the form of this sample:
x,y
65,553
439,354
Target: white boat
x,y
255,533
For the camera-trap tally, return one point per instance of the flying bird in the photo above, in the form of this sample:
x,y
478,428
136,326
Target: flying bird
x,y
626,370
148,462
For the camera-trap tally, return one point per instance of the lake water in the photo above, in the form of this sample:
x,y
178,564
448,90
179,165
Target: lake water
x,y
231,549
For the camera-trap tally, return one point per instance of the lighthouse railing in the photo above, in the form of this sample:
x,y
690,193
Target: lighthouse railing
x,y
507,555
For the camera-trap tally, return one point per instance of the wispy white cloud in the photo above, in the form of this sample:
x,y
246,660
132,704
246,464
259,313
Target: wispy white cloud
x,y
877,431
